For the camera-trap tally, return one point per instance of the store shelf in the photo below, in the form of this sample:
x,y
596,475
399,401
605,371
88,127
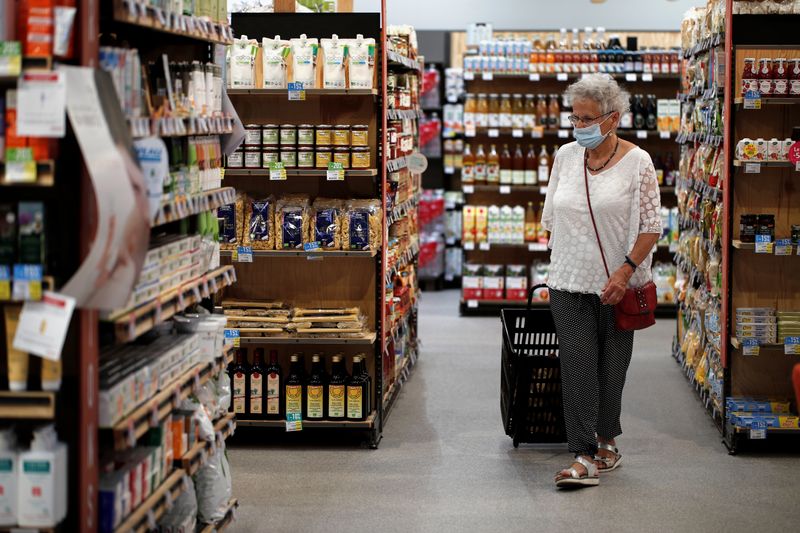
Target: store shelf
x,y
181,208
736,343
195,457
407,257
564,133
129,325
367,339
503,189
488,247
400,61
152,412
309,92
390,396
154,18
751,247
718,39
770,100
45,174
770,164
312,254
227,520
700,137
294,172
404,114
155,506
179,126
369,423
27,405
568,76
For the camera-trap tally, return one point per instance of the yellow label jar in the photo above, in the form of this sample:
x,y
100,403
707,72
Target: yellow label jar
x,y
359,135
324,156
324,135
342,155
341,135
360,158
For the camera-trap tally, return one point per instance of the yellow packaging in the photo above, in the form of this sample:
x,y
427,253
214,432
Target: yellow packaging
x,y
17,360
468,224
481,224
360,158
51,375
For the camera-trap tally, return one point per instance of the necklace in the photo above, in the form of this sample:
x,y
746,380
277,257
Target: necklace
x,y
601,167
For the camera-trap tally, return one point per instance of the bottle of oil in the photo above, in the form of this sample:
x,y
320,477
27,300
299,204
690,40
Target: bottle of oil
x,y
530,223
492,166
480,165
315,390
294,387
238,373
274,408
356,406
255,384
468,165
336,390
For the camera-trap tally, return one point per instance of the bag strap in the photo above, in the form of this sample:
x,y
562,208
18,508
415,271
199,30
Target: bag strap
x,y
591,213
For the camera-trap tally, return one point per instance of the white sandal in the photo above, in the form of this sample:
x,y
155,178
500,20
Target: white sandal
x,y
611,463
589,479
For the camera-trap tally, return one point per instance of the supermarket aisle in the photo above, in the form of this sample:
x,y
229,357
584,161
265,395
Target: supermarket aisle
x,y
446,465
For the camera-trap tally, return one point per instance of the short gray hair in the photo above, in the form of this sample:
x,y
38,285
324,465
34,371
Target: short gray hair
x,y
604,90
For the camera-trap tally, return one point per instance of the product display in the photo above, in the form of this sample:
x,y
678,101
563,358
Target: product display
x,y
264,319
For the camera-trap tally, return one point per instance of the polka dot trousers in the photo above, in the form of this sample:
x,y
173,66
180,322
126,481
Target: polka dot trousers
x,y
594,361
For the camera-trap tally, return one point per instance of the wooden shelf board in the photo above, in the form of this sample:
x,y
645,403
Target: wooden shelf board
x,y
527,134
769,164
233,504
571,76
751,247
369,423
313,172
309,92
769,100
150,20
27,405
495,188
301,253
367,339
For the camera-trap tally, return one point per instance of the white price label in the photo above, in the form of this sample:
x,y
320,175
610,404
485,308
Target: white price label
x,y
750,346
472,304
505,189
759,430
630,76
537,132
487,76
537,247
469,130
641,134
277,172
335,172
563,134
534,76
752,168
647,77
493,132
244,254
469,76
485,246
542,190
469,245
517,133
791,346
664,134
468,189
562,76
449,170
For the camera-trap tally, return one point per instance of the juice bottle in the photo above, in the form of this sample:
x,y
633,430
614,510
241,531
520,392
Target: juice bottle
x,y
505,111
530,112
518,167
541,111
544,166
531,225
506,166
494,111
517,112
470,108
480,165
550,55
553,112
765,76
492,166
531,166
468,165
482,112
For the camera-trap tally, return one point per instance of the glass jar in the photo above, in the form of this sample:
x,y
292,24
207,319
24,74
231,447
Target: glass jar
x,y
359,135
252,135
252,157
269,155
341,154
305,135
270,135
747,228
360,158
289,157
324,135
494,120
305,157
341,135
324,155
235,159
288,135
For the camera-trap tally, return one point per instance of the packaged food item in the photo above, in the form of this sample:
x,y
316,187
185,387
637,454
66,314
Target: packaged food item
x,y
780,77
305,135
260,215
481,224
304,61
270,135
794,77
341,154
291,222
359,135
242,63
360,158
749,75
305,157
235,159
333,54
761,149
324,135
774,150
289,156
274,53
472,282
765,76
326,223
468,223
231,223
361,62
493,282
288,135
786,146
269,155
252,135
516,282
341,135
362,226
323,156
252,158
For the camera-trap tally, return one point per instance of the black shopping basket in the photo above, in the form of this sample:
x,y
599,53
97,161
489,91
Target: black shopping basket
x,y
530,400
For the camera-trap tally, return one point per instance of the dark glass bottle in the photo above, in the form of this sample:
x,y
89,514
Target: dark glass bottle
x,y
356,407
367,379
294,388
315,390
639,120
255,384
651,116
238,373
336,390
274,386
518,167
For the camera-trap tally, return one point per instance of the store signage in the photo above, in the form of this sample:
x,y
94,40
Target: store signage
x,y
752,100
791,346
750,346
335,172
43,325
294,422
232,337
244,254
27,284
296,91
764,244
758,430
752,168
417,163
41,104
276,171
783,247
794,155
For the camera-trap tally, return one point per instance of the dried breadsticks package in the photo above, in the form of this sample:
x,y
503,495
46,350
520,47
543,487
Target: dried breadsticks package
x,y
274,54
362,225
260,216
326,223
292,222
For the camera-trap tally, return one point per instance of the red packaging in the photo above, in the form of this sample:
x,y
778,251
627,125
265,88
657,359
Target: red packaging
x,y
472,288
749,75
516,288
493,287
794,77
36,27
780,77
765,76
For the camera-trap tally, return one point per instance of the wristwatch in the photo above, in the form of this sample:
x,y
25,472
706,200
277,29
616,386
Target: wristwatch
x,y
629,261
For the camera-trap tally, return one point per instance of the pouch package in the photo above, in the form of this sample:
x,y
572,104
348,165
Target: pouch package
x,y
362,227
326,223
260,216
304,61
334,51
361,62
291,222
242,63
274,54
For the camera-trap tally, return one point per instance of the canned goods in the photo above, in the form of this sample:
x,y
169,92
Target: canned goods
x,y
268,156
289,157
252,158
235,159
252,135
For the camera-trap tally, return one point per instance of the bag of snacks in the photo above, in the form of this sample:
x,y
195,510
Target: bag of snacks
x,y
273,60
304,61
242,63
362,225
292,222
231,220
361,63
326,223
260,216
333,54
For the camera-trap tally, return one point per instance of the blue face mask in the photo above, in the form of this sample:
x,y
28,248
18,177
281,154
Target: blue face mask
x,y
590,137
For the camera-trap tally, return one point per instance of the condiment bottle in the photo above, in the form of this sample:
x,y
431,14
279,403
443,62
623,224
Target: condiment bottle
x,y
494,111
544,166
505,111
492,166
531,166
541,111
480,165
468,165
506,166
482,112
765,76
517,112
553,112
518,165
780,77
530,112
470,107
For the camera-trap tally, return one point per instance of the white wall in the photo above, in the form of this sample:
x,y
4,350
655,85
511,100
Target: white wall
x,y
535,14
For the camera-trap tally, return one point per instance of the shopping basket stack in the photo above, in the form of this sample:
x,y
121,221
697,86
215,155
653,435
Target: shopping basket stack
x,y
530,401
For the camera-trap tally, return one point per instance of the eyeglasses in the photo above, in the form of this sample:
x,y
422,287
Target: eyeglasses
x,y
575,119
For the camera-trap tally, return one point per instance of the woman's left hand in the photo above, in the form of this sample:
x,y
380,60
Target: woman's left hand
x,y
615,286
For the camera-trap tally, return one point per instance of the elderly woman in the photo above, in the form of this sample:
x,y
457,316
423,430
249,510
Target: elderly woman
x,y
625,202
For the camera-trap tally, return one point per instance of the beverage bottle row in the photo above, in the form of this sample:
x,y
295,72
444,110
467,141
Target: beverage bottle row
x,y
313,396
516,111
507,168
533,224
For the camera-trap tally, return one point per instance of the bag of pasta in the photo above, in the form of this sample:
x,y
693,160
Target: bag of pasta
x,y
362,225
326,224
292,222
260,216
231,221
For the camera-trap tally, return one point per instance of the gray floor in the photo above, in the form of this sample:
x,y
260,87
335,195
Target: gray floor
x,y
445,464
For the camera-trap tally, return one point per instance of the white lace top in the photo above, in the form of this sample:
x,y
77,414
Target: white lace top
x,y
626,202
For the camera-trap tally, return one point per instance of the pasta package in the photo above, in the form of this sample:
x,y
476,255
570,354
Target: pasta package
x,y
362,225
361,62
292,222
334,51
326,223
274,54
231,224
304,60
260,232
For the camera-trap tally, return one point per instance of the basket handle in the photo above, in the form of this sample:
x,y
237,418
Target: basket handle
x,y
532,290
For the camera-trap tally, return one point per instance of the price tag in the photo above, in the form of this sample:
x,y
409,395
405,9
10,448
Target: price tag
x,y
154,417
791,346
759,430
485,246
752,168
537,247
151,520
472,304
276,171
232,337
487,76
543,190
244,254
537,132
468,189
752,100
630,76
130,434
469,245
562,76
335,172
493,132
505,189
517,133
449,170
563,134
783,247
294,422
764,244
647,77
213,283
664,134
469,76
534,76
20,165
641,134
750,346
312,246
176,397
296,91
158,318
469,129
